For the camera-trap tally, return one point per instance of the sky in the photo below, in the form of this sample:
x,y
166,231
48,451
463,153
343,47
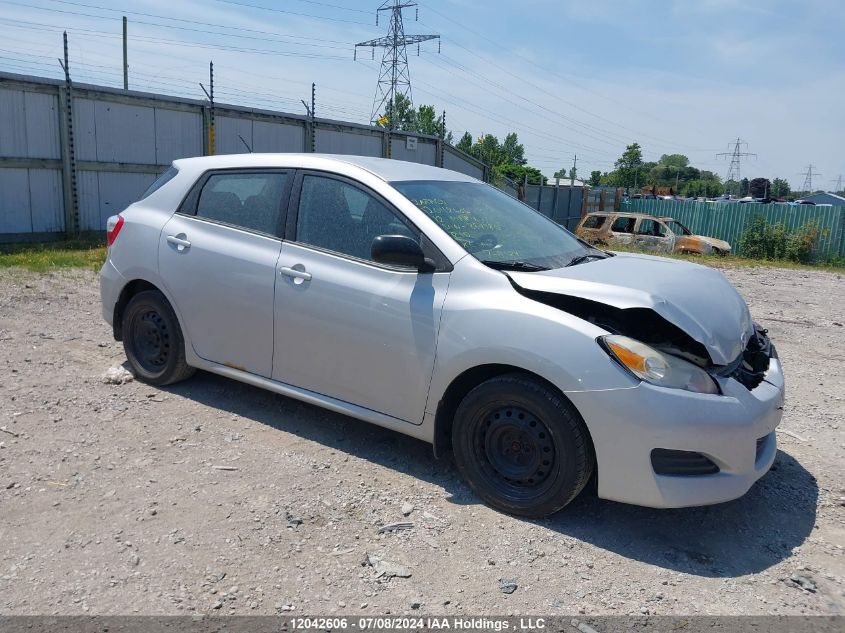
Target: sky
x,y
571,77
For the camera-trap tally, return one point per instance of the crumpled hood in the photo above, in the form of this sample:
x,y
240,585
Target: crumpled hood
x,y
697,299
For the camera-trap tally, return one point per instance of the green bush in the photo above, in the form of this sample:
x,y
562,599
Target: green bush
x,y
762,240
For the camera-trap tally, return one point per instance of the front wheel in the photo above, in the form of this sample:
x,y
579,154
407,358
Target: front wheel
x,y
521,447
152,340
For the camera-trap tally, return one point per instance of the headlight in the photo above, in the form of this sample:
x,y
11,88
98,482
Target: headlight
x,y
656,367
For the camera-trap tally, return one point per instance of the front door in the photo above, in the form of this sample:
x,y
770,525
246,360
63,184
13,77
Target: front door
x,y
347,327
218,258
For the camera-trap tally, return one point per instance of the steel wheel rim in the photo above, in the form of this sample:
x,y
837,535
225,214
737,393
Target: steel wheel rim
x,y
151,340
516,451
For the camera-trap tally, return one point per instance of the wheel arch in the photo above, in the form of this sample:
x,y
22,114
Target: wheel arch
x,y
465,382
131,289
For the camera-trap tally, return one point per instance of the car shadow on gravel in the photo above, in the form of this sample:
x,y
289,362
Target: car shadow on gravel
x,y
732,539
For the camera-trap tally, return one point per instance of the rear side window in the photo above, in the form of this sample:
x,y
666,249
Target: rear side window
x,y
651,227
159,182
623,225
594,222
646,227
250,201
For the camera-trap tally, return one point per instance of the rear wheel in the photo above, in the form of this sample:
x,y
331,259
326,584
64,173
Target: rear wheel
x,y
521,447
152,340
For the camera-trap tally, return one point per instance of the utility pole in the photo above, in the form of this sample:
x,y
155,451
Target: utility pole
x,y
71,194
808,179
312,124
572,173
313,117
442,139
394,77
125,58
210,94
736,155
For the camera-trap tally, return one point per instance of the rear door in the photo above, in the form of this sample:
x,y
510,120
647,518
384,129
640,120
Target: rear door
x,y
218,256
622,229
653,235
347,327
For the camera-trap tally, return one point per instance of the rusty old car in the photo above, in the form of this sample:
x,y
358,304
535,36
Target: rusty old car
x,y
649,232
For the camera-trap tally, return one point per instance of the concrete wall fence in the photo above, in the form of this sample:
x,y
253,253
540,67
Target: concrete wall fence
x,y
61,175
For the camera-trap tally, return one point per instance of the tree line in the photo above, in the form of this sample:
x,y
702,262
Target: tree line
x,y
506,158
674,171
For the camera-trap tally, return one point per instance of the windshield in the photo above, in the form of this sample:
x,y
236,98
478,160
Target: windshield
x,y
678,228
491,225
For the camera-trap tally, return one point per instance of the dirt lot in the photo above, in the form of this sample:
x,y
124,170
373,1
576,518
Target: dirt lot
x,y
212,496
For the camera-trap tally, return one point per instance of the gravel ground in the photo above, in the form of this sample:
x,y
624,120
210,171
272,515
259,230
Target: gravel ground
x,y
213,496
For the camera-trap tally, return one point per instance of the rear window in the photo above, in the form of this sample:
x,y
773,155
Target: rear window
x,y
594,222
159,182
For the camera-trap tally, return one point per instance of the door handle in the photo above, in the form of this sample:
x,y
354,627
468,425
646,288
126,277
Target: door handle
x,y
296,274
178,241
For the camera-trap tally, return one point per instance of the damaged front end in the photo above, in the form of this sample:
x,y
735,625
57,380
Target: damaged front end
x,y
645,324
750,368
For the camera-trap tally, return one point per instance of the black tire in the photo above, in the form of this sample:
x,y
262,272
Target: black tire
x,y
152,340
521,447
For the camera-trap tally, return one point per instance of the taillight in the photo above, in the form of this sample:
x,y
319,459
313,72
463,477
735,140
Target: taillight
x,y
113,226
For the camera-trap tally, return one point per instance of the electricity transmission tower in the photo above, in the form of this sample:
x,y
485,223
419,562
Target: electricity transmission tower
x,y
394,77
808,179
838,182
736,155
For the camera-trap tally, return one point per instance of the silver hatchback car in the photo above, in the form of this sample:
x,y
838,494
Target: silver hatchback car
x,y
430,303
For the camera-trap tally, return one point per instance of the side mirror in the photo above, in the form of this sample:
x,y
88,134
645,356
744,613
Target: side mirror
x,y
400,250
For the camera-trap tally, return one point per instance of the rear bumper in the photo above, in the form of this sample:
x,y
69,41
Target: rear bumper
x,y
111,284
627,424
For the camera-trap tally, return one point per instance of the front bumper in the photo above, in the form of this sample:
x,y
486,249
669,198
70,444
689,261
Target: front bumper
x,y
627,424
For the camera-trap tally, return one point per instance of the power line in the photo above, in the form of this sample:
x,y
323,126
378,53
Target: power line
x,y
557,97
533,63
276,34
334,6
519,127
161,40
171,26
394,78
275,10
610,139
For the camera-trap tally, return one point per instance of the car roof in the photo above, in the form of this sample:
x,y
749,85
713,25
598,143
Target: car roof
x,y
388,169
625,214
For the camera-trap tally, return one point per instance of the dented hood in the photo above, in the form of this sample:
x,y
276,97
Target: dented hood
x,y
697,299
